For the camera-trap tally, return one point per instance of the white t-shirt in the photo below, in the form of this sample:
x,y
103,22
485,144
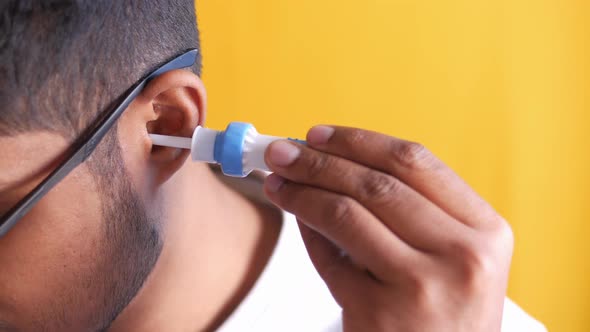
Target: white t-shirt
x,y
290,296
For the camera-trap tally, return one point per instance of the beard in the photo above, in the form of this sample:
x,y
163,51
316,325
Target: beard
x,y
116,261
133,244
132,240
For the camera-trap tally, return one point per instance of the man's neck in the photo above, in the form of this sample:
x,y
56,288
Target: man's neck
x,y
216,244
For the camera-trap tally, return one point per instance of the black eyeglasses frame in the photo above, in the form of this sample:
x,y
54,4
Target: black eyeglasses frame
x,y
87,142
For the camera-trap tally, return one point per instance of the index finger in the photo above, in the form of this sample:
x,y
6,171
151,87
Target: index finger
x,y
411,163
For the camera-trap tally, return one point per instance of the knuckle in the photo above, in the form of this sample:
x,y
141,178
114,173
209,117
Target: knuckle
x,y
502,239
477,265
338,213
413,155
504,233
317,164
378,186
355,137
423,291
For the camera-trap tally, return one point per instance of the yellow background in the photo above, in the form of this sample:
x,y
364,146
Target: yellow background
x,y
498,89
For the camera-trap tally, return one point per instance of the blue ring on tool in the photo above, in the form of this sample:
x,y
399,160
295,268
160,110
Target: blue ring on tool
x,y
229,148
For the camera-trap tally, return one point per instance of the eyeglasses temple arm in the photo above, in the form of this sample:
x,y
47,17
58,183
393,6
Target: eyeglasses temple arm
x,y
88,145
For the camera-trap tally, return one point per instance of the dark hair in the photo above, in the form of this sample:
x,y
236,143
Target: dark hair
x,y
63,62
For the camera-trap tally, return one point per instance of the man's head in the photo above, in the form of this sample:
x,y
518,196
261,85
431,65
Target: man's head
x,y
82,253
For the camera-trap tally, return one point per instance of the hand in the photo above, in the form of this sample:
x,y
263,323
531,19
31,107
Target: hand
x,y
423,251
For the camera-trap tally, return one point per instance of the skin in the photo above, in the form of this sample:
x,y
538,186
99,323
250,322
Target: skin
x,y
423,251
60,270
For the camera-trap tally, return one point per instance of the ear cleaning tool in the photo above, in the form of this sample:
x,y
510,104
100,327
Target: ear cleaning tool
x,y
239,149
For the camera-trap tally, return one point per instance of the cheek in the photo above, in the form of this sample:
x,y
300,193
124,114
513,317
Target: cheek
x,y
52,252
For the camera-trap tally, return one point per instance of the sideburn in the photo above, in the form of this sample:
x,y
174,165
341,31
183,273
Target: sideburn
x,y
132,239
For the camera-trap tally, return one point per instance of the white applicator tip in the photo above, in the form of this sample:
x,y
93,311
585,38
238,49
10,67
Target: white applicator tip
x,y
171,141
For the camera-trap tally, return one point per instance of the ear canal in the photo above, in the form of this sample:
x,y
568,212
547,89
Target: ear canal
x,y
170,121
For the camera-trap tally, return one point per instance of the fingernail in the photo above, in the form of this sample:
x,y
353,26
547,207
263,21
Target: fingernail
x,y
283,153
319,135
274,182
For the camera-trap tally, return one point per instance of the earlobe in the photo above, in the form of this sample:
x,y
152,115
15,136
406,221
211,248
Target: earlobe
x,y
174,103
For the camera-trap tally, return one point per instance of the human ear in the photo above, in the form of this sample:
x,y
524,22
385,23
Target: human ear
x,y
174,104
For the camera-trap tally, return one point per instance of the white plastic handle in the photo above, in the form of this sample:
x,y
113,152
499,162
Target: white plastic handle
x,y
171,141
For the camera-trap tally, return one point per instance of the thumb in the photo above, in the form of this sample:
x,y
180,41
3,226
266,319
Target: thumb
x,y
344,280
